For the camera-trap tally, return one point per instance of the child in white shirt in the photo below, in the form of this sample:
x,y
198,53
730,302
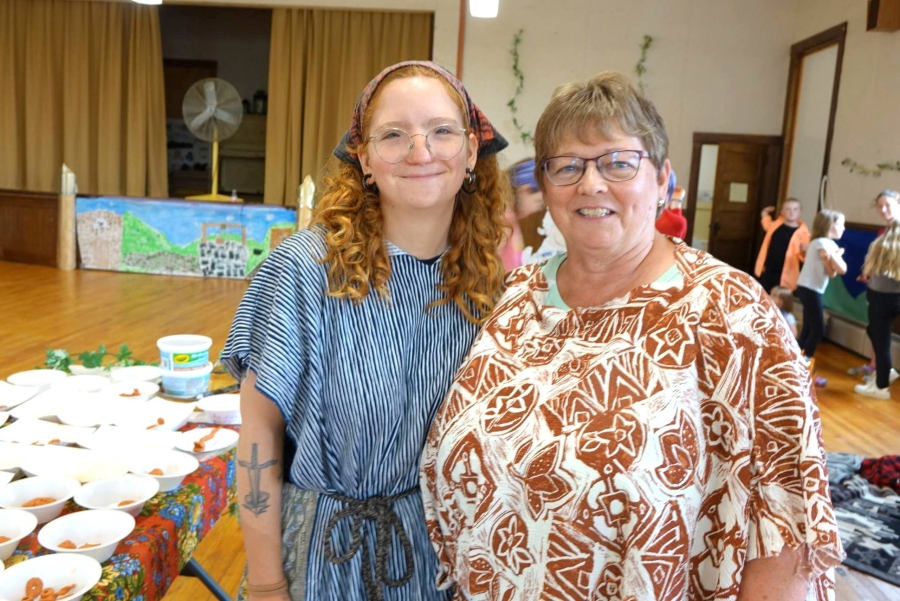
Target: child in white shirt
x,y
824,260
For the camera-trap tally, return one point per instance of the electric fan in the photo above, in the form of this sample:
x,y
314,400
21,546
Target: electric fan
x,y
212,110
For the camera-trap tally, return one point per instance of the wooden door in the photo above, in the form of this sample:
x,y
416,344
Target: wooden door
x,y
736,203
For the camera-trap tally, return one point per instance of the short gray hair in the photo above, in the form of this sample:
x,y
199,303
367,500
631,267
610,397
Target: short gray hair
x,y
602,105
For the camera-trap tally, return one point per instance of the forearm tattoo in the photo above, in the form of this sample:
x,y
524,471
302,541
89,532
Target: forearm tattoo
x,y
256,500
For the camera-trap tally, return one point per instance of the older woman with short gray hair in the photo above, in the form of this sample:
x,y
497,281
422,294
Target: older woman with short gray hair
x,y
633,421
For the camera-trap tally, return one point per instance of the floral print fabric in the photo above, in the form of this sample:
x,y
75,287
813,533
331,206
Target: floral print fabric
x,y
166,534
644,449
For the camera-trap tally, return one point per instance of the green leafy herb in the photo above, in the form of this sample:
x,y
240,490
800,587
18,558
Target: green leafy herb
x,y
91,359
62,360
58,359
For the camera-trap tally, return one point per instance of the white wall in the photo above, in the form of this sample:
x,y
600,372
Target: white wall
x,y
714,65
867,123
236,38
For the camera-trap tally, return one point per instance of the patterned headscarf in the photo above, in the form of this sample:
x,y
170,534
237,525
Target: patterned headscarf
x,y
489,140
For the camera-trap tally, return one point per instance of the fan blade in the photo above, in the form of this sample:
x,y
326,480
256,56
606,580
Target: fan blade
x,y
226,117
199,120
209,92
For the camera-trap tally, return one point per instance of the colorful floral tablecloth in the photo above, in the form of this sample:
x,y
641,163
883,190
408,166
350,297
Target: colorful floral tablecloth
x,y
166,533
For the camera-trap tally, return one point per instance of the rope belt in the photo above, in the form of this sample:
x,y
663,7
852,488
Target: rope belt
x,y
380,511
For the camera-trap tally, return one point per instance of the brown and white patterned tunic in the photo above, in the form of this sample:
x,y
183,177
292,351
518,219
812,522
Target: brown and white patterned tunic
x,y
644,449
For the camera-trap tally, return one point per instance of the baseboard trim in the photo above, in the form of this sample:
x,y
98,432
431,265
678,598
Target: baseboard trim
x,y
851,334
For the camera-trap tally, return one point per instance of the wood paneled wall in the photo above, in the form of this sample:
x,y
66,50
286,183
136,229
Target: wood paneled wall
x,y
28,227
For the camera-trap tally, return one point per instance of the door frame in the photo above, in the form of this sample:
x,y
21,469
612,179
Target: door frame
x,y
799,51
771,173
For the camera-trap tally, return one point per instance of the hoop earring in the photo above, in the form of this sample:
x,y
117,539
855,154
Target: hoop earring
x,y
468,185
661,202
369,185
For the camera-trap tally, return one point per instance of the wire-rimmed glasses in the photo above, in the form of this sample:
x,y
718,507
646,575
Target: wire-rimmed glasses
x,y
617,166
444,142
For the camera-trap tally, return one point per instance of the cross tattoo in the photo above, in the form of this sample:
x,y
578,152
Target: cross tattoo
x,y
256,500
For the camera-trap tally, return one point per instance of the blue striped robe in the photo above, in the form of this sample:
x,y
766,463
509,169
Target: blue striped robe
x,y
358,386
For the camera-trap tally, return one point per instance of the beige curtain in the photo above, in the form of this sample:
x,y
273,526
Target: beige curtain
x,y
82,84
319,63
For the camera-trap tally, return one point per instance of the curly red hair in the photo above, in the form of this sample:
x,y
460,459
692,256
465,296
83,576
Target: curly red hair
x,y
356,255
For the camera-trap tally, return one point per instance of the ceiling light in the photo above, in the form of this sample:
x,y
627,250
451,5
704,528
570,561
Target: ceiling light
x,y
148,1
485,9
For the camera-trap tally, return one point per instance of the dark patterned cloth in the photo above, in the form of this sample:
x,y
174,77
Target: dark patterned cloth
x,y
849,488
884,471
489,140
842,465
869,525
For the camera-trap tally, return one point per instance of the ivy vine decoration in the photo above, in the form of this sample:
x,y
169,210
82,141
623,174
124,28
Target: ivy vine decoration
x,y
61,359
520,85
640,68
855,167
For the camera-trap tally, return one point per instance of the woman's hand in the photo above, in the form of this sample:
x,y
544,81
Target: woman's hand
x,y
779,577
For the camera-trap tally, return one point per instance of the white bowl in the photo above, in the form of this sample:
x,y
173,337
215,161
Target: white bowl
x,y
31,431
82,383
146,416
45,404
80,370
146,373
131,390
40,378
101,527
111,492
223,440
14,494
88,412
15,524
222,408
78,464
13,396
113,439
56,571
175,465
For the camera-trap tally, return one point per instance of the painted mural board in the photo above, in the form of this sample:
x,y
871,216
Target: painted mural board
x,y
175,237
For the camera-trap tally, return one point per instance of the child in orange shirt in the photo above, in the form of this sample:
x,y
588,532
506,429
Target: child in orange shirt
x,y
784,247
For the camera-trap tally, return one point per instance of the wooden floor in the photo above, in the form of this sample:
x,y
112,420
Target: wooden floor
x,y
42,307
